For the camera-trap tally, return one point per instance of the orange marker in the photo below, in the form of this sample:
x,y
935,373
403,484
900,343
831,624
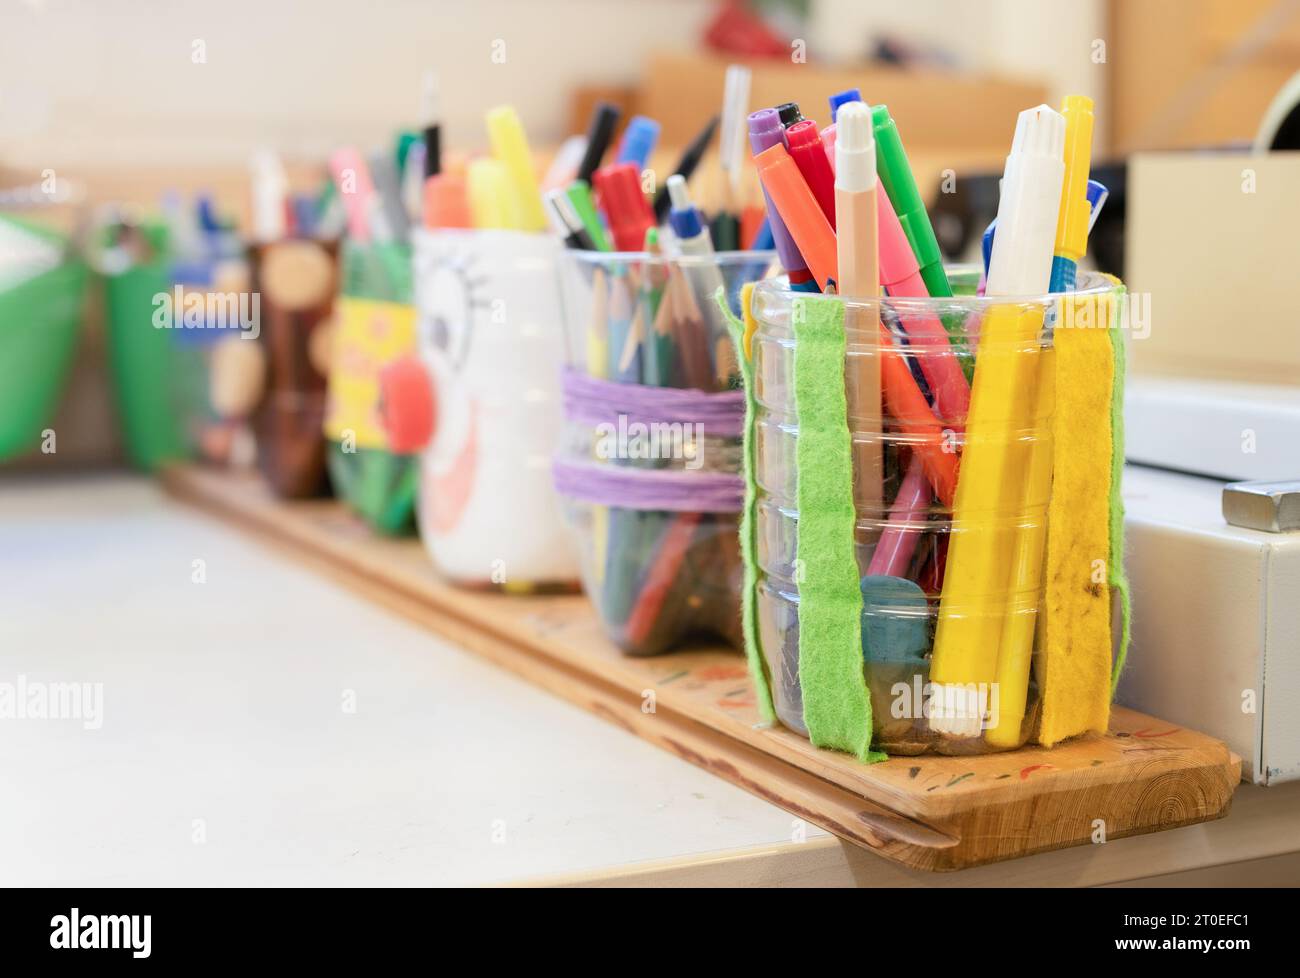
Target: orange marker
x,y
904,400
798,208
446,202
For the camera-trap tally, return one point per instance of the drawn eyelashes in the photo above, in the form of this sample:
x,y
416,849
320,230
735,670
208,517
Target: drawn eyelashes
x,y
457,298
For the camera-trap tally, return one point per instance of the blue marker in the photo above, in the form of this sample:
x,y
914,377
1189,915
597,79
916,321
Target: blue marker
x,y
839,98
638,141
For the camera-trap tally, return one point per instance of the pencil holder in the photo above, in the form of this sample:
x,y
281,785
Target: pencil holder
x,y
134,260
931,560
209,303
297,283
481,403
374,326
651,461
40,320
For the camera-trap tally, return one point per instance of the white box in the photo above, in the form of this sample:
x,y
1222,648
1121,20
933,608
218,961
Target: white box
x,y
1216,621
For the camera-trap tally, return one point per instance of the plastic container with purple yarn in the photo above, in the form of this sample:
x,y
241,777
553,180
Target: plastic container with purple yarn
x,y
650,467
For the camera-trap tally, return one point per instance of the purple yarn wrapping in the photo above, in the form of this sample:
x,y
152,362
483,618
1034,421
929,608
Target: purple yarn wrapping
x,y
653,489
591,401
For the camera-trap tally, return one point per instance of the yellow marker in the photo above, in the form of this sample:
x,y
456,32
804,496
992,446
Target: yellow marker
x,y
1026,582
1072,220
996,459
491,204
510,146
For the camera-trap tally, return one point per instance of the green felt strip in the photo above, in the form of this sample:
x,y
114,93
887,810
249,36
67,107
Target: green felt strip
x,y
836,702
1115,575
748,553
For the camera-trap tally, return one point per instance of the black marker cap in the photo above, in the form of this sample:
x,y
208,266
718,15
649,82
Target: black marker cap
x,y
789,113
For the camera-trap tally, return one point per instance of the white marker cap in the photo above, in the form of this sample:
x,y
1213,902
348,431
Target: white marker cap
x,y
855,148
1021,263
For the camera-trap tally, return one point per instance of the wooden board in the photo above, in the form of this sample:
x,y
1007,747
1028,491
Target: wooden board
x,y
928,812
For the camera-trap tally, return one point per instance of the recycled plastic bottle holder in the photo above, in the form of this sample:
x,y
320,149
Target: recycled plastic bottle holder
x,y
651,460
490,338
374,325
899,617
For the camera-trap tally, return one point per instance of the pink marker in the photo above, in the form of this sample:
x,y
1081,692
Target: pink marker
x,y
352,180
898,541
901,277
828,143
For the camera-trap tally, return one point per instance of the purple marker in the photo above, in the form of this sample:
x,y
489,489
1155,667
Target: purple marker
x,y
766,131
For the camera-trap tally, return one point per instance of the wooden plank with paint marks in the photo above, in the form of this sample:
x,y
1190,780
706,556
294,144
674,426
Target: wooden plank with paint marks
x,y
930,812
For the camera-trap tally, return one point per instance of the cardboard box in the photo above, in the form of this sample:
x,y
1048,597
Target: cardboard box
x,y
1211,240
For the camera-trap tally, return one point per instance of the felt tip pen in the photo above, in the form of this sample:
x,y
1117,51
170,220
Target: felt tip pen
x,y
618,187
839,98
805,145
691,157
579,194
564,166
828,143
766,131
693,239
857,276
789,114
1097,195
798,208
446,202
491,201
853,196
638,141
566,222
352,178
731,138
510,146
896,175
1072,220
1021,263
432,127
901,278
600,131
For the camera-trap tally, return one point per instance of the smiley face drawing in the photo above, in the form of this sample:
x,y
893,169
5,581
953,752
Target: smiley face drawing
x,y
490,336
451,298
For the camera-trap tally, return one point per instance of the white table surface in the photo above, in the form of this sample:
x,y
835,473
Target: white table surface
x,y
224,702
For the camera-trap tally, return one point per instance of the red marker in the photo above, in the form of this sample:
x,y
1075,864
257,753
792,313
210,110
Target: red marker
x,y
624,204
810,156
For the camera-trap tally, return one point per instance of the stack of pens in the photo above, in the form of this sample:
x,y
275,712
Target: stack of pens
x,y
374,326
480,400
908,451
651,465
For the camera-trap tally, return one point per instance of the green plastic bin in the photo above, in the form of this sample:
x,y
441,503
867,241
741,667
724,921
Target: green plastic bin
x,y
40,318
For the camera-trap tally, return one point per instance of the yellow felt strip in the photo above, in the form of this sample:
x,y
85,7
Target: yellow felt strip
x,y
1075,654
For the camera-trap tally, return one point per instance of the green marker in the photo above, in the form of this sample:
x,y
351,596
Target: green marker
x,y
579,194
896,175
